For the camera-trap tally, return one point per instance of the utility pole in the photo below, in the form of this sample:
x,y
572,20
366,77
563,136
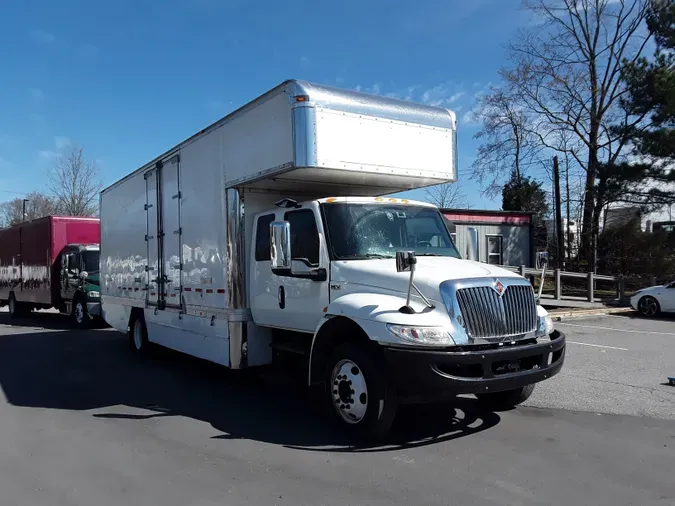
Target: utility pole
x,y
560,237
567,225
24,208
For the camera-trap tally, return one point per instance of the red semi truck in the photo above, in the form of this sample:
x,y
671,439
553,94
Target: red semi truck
x,y
52,262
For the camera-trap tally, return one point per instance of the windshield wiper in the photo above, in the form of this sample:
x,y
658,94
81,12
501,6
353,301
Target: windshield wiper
x,y
428,255
364,256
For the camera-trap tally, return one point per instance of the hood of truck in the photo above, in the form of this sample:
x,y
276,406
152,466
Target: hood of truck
x,y
430,272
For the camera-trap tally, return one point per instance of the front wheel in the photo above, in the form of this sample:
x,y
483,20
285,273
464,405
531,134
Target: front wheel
x,y
507,399
80,314
359,392
649,306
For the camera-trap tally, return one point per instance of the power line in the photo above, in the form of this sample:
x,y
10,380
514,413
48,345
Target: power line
x,y
15,193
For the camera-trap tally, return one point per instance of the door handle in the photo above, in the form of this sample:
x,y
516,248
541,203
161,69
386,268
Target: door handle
x,y
281,297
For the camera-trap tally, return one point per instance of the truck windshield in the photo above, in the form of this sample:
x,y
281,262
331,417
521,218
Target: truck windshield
x,y
361,231
90,260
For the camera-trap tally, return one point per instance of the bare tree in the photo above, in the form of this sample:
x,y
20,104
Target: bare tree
x,y
567,75
38,205
446,196
508,144
75,183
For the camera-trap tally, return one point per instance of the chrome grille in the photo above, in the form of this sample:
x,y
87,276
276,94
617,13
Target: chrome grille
x,y
486,314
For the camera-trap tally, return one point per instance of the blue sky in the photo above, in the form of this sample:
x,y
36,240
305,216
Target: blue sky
x,y
127,80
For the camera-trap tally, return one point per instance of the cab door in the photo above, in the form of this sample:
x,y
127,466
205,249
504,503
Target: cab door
x,y
290,302
70,271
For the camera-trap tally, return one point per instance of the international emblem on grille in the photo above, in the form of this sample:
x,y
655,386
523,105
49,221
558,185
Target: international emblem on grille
x,y
499,287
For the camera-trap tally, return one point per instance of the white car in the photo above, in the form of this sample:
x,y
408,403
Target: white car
x,y
655,299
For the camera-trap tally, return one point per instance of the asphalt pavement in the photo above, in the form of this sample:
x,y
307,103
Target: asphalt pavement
x,y
83,421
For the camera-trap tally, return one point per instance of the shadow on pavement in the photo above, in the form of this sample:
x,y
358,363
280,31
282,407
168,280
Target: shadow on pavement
x,y
48,320
96,370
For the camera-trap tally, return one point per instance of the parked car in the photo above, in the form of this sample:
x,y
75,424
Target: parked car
x,y
654,300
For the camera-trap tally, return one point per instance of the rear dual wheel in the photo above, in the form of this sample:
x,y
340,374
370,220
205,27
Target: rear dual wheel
x,y
138,335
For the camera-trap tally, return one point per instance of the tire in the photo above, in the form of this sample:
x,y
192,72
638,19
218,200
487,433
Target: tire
x,y
79,313
648,306
359,394
138,335
16,309
507,399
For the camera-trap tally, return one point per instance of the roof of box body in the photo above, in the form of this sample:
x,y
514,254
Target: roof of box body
x,y
330,98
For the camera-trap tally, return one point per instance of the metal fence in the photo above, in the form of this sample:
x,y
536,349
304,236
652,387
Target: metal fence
x,y
558,276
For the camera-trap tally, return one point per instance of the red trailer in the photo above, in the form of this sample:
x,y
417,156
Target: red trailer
x,y
51,262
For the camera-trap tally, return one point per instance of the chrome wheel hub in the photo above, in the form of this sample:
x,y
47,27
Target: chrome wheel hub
x,y
349,391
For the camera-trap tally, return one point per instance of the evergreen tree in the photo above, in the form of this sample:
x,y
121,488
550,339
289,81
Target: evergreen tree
x,y
650,94
522,193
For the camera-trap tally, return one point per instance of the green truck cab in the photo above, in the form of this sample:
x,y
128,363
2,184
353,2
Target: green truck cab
x,y
80,285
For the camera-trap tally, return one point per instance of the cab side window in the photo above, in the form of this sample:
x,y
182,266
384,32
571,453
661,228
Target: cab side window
x,y
72,263
262,238
304,237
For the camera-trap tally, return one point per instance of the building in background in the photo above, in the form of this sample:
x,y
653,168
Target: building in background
x,y
504,237
571,242
618,216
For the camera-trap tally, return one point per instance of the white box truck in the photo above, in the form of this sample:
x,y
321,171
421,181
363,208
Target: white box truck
x,y
270,233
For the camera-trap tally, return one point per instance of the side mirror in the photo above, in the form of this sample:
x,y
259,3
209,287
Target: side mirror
x,y
472,244
83,275
405,260
280,246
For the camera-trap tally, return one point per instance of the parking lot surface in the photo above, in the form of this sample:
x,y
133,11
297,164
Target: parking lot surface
x,y
83,421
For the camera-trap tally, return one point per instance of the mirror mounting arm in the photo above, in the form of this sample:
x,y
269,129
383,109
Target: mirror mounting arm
x,y
406,260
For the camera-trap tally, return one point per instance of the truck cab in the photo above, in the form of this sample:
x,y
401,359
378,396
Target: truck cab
x,y
375,288
79,282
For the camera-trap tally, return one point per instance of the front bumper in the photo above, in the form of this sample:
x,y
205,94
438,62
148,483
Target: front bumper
x,y
427,375
94,308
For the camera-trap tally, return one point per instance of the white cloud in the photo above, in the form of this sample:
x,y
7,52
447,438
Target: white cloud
x,y
456,96
443,94
304,61
42,36
37,95
48,154
340,80
61,142
468,118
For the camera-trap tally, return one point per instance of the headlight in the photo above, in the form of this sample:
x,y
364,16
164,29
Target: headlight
x,y
545,325
434,336
94,295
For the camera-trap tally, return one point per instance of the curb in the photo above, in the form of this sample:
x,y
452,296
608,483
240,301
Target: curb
x,y
559,316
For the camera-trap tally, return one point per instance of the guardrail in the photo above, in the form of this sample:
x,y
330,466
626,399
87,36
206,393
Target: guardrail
x,y
559,275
